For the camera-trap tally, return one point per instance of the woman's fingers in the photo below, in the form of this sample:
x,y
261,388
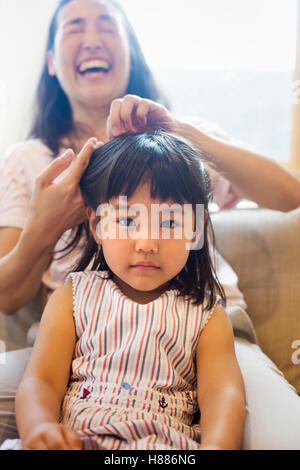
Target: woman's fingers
x,y
142,112
61,163
114,120
55,168
59,207
128,106
82,160
135,114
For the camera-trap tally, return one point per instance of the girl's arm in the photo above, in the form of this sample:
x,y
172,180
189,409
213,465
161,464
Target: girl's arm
x,y
46,377
220,389
254,176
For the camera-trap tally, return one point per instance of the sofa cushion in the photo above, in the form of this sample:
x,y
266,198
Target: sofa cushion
x,y
263,247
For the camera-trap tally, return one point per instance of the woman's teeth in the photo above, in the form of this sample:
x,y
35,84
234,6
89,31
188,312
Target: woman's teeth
x,y
93,66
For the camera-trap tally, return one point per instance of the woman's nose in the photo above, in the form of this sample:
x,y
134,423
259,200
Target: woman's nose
x,y
92,39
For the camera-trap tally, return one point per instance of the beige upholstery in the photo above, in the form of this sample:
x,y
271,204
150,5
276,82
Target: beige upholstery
x,y
263,247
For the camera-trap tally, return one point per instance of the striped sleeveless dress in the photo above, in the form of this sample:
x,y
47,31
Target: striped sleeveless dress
x,y
133,379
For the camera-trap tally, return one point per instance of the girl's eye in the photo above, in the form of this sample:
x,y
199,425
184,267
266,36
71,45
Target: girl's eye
x,y
126,221
169,224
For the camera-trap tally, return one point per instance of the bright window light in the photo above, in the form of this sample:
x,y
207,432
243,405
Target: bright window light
x,y
216,34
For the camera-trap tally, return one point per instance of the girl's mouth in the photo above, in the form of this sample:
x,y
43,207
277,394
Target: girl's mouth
x,y
145,266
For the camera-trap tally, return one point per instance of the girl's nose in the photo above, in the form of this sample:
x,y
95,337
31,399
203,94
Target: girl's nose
x,y
147,245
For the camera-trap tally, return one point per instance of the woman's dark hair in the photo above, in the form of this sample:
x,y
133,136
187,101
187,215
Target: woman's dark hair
x,y
174,171
53,116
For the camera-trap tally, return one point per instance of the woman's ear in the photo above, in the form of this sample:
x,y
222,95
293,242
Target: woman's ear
x,y
50,64
94,224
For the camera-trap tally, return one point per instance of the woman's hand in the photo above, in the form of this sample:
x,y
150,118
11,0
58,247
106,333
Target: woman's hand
x,y
57,207
52,436
134,114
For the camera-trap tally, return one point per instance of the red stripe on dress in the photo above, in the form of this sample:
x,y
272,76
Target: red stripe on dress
x,y
106,357
141,346
166,347
93,316
103,417
128,339
81,310
156,339
188,365
165,434
130,430
147,426
105,322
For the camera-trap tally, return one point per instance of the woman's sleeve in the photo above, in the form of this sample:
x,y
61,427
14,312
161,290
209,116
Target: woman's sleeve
x,y
15,191
225,195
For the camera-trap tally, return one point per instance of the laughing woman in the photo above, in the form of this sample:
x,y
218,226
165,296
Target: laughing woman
x,y
96,83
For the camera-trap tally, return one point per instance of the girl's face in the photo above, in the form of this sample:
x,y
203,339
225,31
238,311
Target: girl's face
x,y
91,57
142,264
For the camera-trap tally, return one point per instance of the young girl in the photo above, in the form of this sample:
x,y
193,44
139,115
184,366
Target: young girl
x,y
143,331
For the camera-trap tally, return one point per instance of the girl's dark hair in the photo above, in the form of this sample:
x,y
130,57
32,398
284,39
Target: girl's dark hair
x,y
53,115
174,171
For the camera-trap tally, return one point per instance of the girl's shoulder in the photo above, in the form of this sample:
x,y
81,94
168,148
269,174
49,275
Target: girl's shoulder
x,y
208,313
85,279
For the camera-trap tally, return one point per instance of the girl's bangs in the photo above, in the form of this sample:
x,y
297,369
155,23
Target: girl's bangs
x,y
167,171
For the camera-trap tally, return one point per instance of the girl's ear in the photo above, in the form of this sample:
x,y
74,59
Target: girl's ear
x,y
50,63
93,223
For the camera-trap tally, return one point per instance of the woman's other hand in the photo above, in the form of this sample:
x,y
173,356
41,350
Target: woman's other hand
x,y
134,114
57,207
52,436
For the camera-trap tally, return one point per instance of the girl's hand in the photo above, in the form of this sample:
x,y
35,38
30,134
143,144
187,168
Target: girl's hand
x,y
57,207
52,436
209,447
134,114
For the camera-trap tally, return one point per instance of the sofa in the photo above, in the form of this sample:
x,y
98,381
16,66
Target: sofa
x,y
263,247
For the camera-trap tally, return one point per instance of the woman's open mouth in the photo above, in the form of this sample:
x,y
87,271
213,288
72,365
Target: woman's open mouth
x,y
94,68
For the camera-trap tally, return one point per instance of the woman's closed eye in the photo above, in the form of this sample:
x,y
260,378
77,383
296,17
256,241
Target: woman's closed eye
x,y
107,29
74,27
75,31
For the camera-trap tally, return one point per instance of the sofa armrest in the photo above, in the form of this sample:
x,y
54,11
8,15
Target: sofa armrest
x,y
263,247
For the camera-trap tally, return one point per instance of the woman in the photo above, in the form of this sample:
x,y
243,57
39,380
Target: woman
x,y
96,83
